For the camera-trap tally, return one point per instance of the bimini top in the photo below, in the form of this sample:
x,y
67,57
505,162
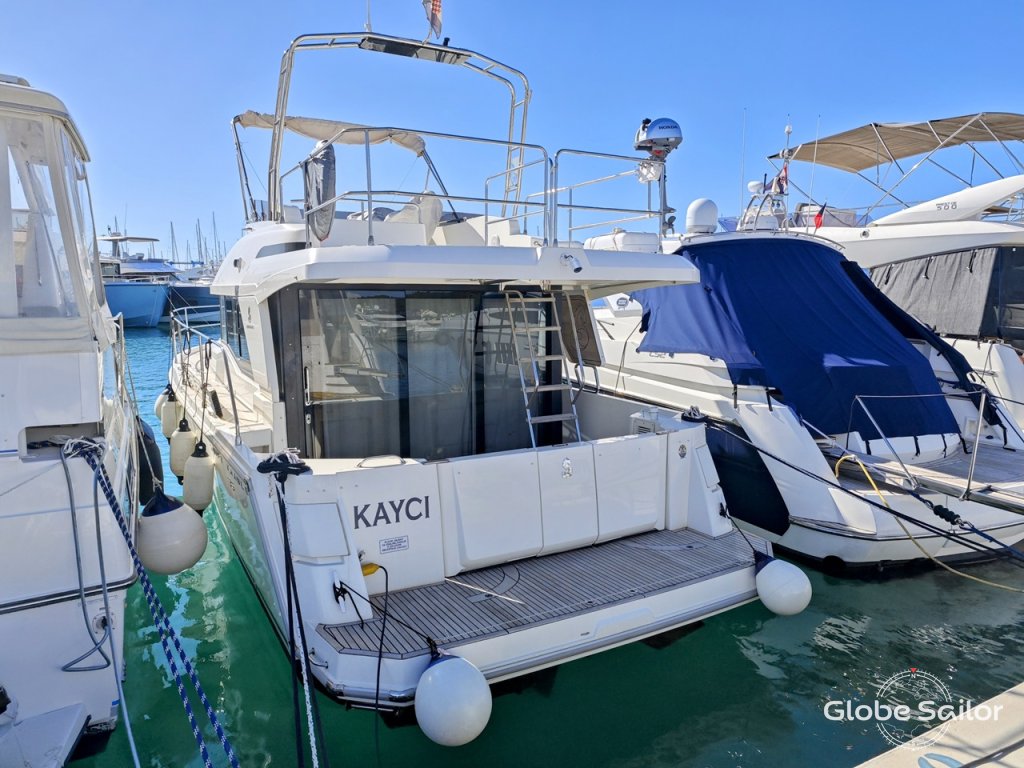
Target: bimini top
x,y
879,143
335,131
784,313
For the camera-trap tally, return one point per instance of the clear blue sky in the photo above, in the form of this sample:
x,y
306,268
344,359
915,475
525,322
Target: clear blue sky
x,y
153,87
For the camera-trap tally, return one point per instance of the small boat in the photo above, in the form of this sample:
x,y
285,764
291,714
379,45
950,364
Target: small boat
x,y
396,432
66,420
842,429
953,261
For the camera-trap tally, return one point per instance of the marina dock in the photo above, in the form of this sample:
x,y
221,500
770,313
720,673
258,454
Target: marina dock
x,y
994,737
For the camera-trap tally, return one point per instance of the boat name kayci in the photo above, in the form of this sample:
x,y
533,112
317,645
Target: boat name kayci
x,y
389,512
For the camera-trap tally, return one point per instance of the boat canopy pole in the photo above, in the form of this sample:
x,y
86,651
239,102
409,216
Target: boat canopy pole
x,y
516,82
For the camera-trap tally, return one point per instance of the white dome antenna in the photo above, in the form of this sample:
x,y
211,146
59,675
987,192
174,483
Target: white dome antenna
x,y
701,217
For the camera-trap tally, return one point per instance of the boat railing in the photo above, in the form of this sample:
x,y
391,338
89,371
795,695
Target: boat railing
x,y
983,401
553,195
121,370
540,208
183,337
562,195
508,199
1011,211
512,80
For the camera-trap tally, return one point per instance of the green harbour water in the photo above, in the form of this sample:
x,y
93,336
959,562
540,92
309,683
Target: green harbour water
x,y
745,689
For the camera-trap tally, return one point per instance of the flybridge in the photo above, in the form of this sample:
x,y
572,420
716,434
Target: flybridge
x,y
513,79
519,194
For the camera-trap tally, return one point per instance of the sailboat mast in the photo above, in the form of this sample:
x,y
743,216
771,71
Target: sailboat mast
x,y
216,254
199,243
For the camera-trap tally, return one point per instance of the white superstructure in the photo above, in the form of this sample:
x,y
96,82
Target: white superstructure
x,y
66,568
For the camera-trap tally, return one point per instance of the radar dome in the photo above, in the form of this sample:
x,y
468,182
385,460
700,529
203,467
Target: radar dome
x,y
701,217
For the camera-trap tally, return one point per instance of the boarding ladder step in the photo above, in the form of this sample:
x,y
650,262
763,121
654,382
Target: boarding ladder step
x,y
533,340
542,328
541,358
552,417
552,387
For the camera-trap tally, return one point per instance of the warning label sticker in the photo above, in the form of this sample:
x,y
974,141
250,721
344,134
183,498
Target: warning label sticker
x,y
394,544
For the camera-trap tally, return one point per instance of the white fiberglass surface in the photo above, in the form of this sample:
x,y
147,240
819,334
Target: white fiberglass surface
x,y
35,272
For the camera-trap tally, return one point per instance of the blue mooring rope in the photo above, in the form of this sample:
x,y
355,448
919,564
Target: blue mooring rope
x,y
1014,552
161,621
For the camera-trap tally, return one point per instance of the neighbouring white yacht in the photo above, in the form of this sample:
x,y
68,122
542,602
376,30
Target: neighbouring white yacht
x,y
955,261
460,494
64,411
841,428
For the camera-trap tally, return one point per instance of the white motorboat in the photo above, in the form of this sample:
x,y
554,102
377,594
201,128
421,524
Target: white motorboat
x,y
452,488
64,411
953,261
842,429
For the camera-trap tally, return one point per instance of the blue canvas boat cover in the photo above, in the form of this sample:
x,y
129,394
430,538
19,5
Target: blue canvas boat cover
x,y
783,313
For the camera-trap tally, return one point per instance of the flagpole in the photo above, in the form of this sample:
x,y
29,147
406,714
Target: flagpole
x,y
785,165
743,158
814,159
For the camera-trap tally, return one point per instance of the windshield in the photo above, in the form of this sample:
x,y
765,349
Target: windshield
x,y
35,277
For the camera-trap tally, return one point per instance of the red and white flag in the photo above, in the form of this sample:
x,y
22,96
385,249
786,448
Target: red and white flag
x,y
433,9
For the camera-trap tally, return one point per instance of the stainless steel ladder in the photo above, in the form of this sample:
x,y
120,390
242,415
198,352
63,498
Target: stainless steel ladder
x,y
527,336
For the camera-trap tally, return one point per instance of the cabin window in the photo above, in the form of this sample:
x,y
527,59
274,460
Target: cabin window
x,y
232,327
429,374
35,274
80,203
1011,295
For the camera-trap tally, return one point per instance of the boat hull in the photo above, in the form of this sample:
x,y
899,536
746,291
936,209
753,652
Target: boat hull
x,y
202,306
140,304
563,604
345,664
52,604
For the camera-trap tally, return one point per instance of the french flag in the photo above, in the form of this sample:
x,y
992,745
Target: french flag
x,y
819,217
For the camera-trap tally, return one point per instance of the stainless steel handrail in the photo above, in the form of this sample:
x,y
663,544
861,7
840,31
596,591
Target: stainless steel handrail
x,y
977,440
370,192
913,481
180,327
514,80
977,435
648,213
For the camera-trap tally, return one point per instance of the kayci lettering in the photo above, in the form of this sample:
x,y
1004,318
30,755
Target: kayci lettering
x,y
391,511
